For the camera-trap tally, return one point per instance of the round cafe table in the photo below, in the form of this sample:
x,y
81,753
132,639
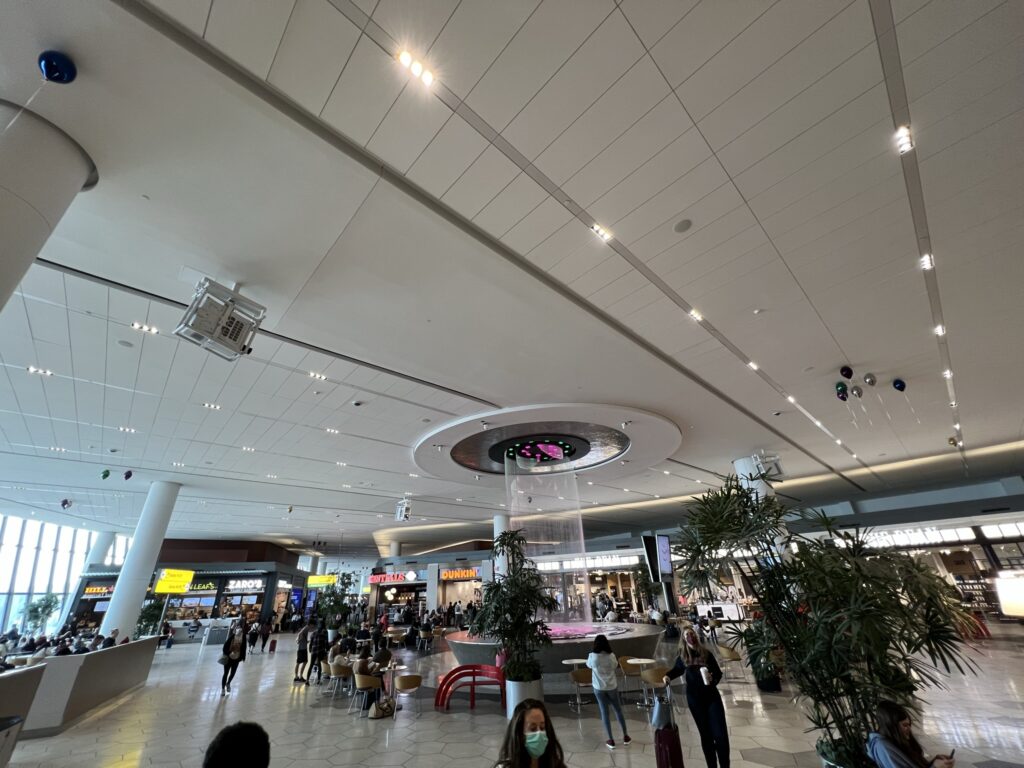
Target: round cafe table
x,y
578,703
646,703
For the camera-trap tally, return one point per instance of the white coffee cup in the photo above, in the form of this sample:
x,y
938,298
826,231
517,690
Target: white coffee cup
x,y
705,675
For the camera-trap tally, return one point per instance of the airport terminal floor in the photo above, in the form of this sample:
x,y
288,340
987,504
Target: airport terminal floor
x,y
170,721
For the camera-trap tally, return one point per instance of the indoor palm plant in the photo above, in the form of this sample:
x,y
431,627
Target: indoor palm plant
x,y
848,624
332,603
509,615
38,612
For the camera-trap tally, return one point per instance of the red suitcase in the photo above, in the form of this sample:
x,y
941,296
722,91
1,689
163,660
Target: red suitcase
x,y
273,644
668,749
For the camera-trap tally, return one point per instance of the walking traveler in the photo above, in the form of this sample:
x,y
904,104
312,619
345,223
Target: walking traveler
x,y
702,675
317,652
265,630
302,652
234,654
604,665
894,745
253,636
530,740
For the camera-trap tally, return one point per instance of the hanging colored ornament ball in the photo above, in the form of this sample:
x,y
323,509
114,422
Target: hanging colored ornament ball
x,y
841,387
105,474
899,385
842,396
846,372
856,391
57,67
870,379
128,475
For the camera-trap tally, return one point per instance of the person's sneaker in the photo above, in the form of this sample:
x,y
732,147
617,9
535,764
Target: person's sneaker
x,y
229,687
626,741
223,692
610,743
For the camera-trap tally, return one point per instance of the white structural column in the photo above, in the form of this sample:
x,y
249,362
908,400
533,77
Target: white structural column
x,y
314,563
130,589
321,567
747,472
500,564
41,171
394,549
101,544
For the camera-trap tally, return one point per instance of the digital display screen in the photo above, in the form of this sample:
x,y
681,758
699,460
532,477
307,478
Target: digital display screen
x,y
249,599
174,602
190,602
665,558
207,602
101,606
236,600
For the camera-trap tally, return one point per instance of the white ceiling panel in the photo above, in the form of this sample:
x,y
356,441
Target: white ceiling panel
x,y
532,56
371,79
593,69
652,19
192,14
566,240
412,23
410,125
620,107
542,222
249,31
316,45
936,22
511,205
486,177
722,202
473,37
645,138
704,32
603,274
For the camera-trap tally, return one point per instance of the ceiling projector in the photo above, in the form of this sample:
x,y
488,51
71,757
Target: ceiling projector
x,y
221,320
403,511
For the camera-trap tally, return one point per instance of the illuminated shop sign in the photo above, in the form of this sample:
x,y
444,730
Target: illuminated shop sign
x,y
460,574
394,578
282,584
99,589
202,586
244,585
171,581
578,564
328,580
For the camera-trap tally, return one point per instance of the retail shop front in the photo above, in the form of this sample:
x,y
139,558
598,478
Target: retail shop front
x,y
94,601
198,601
395,591
607,574
243,598
460,583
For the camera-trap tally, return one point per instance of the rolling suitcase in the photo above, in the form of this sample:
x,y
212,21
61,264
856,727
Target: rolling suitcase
x,y
668,750
273,644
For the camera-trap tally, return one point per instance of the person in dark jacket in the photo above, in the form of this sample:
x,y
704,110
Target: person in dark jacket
x,y
111,640
700,670
265,629
318,647
234,650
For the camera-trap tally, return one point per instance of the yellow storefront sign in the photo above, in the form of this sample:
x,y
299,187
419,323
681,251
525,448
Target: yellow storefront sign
x,y
329,580
173,581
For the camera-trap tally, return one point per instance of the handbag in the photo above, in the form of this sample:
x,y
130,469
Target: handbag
x,y
662,715
381,709
223,659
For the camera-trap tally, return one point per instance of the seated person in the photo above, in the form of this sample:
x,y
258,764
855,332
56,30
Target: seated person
x,y
382,657
64,649
336,650
349,644
894,745
363,633
412,636
111,640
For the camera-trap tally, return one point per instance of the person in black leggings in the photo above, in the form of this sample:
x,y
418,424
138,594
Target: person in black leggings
x,y
703,700
234,650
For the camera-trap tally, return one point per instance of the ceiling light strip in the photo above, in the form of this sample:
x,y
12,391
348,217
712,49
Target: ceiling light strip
x,y
892,68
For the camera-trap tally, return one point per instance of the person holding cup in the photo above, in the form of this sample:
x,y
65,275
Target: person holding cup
x,y
701,672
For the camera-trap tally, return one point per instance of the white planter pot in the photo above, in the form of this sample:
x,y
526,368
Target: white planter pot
x,y
516,692
332,633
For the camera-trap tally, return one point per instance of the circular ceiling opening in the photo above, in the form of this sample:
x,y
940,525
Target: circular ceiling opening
x,y
539,448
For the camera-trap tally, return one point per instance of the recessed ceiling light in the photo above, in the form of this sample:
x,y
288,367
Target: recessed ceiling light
x,y
838,441
126,429
458,499
752,365
758,311
947,374
427,77
317,376
501,505
625,490
145,328
405,59
665,472
345,485
817,423
247,449
959,443
39,371
331,430
341,463
904,142
601,232
57,449
272,477
657,496
590,482
927,261
700,481
413,474
416,68
853,455
957,425
211,406
940,330
791,399
561,498
696,315
682,226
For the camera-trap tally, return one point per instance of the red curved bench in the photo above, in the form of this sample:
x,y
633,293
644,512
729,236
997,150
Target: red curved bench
x,y
469,675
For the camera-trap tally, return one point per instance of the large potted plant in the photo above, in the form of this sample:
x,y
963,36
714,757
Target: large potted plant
x,y
848,624
509,615
332,603
38,613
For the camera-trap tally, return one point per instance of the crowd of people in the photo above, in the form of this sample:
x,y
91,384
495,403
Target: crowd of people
x,y
70,640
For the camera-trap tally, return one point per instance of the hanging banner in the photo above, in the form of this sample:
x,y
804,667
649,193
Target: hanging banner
x,y
328,580
172,581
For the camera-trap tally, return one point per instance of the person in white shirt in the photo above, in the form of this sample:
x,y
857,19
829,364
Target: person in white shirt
x,y
606,687
611,615
655,615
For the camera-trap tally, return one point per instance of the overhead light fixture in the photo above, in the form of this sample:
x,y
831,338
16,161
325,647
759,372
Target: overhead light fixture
x,y
331,430
317,376
145,328
405,59
853,455
427,77
345,485
590,482
272,477
947,374
458,499
696,315
927,261
39,371
817,423
416,68
601,232
838,441
413,474
956,426
904,142
959,443
625,490
177,464
665,472
791,399
752,365
952,403
57,449
211,406
940,330
129,430
341,463
247,449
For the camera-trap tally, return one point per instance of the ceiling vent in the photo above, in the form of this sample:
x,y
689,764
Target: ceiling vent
x,y
221,320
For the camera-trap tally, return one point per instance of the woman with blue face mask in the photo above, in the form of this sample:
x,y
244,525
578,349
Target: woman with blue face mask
x,y
530,740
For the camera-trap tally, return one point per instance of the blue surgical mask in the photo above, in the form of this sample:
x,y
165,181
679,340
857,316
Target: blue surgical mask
x,y
536,743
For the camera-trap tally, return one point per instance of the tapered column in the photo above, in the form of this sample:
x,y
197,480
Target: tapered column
x,y
41,171
500,564
314,563
139,563
394,549
749,476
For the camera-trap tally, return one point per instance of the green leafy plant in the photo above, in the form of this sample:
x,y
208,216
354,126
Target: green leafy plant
x,y
848,624
39,611
332,601
148,619
642,584
511,604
